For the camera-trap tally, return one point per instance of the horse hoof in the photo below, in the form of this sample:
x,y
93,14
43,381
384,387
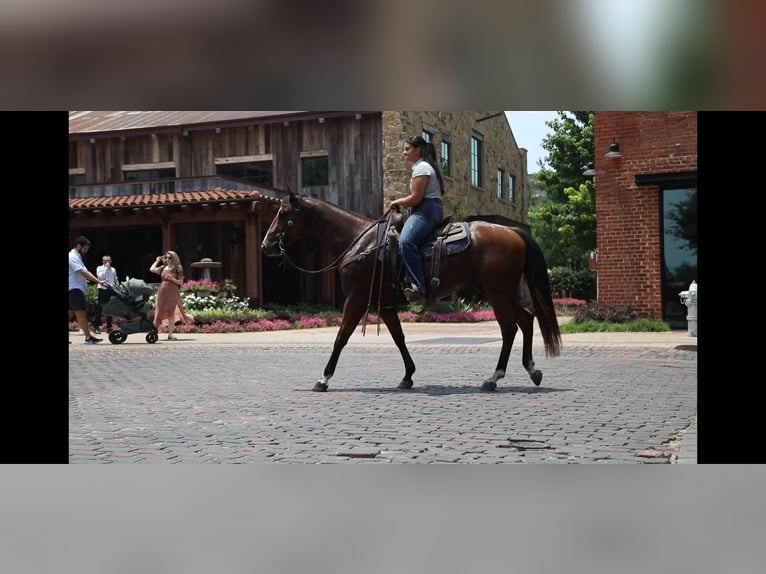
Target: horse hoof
x,y
489,386
320,387
537,377
406,385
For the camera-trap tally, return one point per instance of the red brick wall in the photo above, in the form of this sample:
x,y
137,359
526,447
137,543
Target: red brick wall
x,y
628,224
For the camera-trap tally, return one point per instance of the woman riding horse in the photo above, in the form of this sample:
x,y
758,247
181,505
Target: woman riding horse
x,y
424,201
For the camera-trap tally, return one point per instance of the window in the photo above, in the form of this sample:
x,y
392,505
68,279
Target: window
x,y
257,172
148,174
476,161
679,251
315,171
511,193
446,156
500,178
76,179
149,180
427,135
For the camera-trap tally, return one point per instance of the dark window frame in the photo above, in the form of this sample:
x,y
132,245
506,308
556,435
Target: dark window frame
x,y
259,174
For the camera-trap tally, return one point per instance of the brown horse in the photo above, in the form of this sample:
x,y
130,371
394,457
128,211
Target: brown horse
x,y
500,261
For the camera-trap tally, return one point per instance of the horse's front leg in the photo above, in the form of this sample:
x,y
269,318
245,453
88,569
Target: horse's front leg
x,y
352,314
391,319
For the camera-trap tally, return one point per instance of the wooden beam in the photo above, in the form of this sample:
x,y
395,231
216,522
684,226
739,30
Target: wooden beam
x,y
242,159
314,153
145,166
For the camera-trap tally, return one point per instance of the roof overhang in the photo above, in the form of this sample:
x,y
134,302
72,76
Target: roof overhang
x,y
219,197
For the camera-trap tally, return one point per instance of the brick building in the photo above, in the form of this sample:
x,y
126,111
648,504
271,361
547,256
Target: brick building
x,y
646,210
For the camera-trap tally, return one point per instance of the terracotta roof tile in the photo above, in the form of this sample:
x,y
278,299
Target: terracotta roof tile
x,y
157,199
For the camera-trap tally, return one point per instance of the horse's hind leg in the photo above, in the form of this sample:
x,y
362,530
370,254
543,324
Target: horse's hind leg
x,y
525,319
505,318
352,314
391,319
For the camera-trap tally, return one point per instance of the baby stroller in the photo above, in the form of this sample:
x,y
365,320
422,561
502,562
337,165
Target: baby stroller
x,y
128,301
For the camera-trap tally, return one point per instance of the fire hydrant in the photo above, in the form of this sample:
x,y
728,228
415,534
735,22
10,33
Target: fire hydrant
x,y
689,298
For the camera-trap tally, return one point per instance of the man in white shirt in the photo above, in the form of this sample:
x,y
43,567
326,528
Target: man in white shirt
x,y
78,281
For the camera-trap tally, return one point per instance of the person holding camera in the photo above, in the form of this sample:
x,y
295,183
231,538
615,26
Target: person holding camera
x,y
168,303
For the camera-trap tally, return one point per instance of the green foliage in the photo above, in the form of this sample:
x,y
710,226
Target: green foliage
x,y
91,298
566,282
638,326
604,313
454,209
453,305
462,304
564,219
569,146
288,311
226,315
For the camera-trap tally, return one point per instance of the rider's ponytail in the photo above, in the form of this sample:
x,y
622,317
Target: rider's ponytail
x,y
428,153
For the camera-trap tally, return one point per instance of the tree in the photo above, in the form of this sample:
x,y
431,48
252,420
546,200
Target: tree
x,y
564,218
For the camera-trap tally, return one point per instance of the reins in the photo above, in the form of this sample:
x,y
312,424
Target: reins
x,y
387,215
338,263
342,261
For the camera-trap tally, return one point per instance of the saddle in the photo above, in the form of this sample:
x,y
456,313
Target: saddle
x,y
447,239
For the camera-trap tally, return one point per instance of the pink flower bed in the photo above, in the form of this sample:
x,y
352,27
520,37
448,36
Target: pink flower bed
x,y
312,322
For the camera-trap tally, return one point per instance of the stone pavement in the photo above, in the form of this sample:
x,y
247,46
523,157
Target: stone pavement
x,y
246,397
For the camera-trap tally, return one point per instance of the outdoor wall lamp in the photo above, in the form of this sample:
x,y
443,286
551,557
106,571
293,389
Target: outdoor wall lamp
x,y
589,169
614,149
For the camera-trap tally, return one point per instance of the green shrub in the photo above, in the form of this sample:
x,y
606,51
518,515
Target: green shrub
x,y
230,316
604,313
91,298
641,325
288,311
566,282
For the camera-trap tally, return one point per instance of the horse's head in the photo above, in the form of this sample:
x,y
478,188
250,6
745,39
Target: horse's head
x,y
288,226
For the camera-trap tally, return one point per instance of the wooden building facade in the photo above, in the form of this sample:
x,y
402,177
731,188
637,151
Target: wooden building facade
x,y
208,184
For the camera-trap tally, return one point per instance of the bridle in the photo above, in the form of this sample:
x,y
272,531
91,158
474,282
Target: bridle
x,y
345,258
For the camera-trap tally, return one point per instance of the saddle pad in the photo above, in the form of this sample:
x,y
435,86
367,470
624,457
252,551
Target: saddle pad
x,y
455,242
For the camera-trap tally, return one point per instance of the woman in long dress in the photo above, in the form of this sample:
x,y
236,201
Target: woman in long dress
x,y
168,303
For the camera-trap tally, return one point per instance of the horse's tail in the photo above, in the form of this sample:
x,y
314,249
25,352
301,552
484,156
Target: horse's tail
x,y
536,272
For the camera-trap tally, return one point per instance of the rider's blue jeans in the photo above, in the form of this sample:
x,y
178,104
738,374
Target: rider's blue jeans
x,y
420,223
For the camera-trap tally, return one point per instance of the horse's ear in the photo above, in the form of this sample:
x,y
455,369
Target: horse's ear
x,y
294,202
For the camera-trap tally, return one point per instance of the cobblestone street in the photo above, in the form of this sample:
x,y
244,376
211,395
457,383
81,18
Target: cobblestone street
x,y
241,398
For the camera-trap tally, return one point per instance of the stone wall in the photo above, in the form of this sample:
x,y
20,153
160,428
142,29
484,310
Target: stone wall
x,y
461,198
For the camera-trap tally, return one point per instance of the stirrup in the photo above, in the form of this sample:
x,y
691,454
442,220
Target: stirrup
x,y
414,295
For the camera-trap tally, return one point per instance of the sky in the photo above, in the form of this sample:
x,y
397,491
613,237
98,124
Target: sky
x,y
529,129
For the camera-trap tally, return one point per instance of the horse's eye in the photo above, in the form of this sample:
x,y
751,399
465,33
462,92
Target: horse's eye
x,y
289,223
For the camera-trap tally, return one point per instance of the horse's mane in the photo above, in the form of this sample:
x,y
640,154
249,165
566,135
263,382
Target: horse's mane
x,y
323,205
